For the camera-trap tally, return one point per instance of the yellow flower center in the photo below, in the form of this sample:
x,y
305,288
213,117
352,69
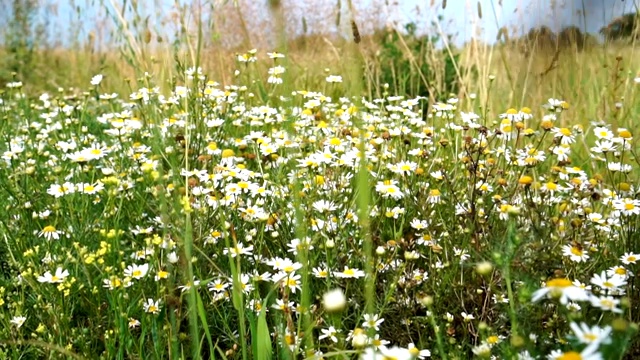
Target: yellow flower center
x,y
559,283
625,134
525,180
571,355
349,272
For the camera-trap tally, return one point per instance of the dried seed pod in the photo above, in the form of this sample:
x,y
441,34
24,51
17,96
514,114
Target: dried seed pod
x,y
356,32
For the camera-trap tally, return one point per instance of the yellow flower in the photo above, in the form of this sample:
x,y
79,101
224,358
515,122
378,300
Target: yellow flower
x,y
525,180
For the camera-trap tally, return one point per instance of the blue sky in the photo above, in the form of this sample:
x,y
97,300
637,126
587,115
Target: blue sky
x,y
460,17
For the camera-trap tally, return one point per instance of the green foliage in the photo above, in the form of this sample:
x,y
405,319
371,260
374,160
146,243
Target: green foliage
x,y
412,66
22,36
402,231
623,27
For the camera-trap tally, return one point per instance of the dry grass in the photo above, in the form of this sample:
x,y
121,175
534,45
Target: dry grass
x,y
585,78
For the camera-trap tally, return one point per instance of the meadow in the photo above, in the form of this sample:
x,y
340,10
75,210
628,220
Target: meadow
x,y
303,203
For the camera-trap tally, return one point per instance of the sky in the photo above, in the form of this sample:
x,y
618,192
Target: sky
x,y
460,18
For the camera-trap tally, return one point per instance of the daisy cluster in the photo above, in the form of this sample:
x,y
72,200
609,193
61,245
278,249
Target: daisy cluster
x,y
353,225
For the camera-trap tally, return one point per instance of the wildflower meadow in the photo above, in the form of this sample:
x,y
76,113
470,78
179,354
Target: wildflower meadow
x,y
265,217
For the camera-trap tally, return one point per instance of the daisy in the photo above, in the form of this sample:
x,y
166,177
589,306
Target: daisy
x,y
56,278
333,79
611,284
96,151
320,272
629,258
574,307
562,152
281,305
551,187
619,271
60,190
562,289
133,323
96,80
189,285
329,333
590,335
606,303
136,271
350,273
161,274
596,218
483,350
575,253
603,133
564,134
246,285
467,317
438,175
112,283
603,146
418,353
274,75
434,196
323,206
388,188
484,187
78,157
290,280
152,306
372,321
217,286
403,167
239,249
296,245
627,206
90,189
50,233
18,321
589,353
379,344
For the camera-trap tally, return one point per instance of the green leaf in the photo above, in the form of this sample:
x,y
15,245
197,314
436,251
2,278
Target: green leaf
x,y
263,338
203,317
